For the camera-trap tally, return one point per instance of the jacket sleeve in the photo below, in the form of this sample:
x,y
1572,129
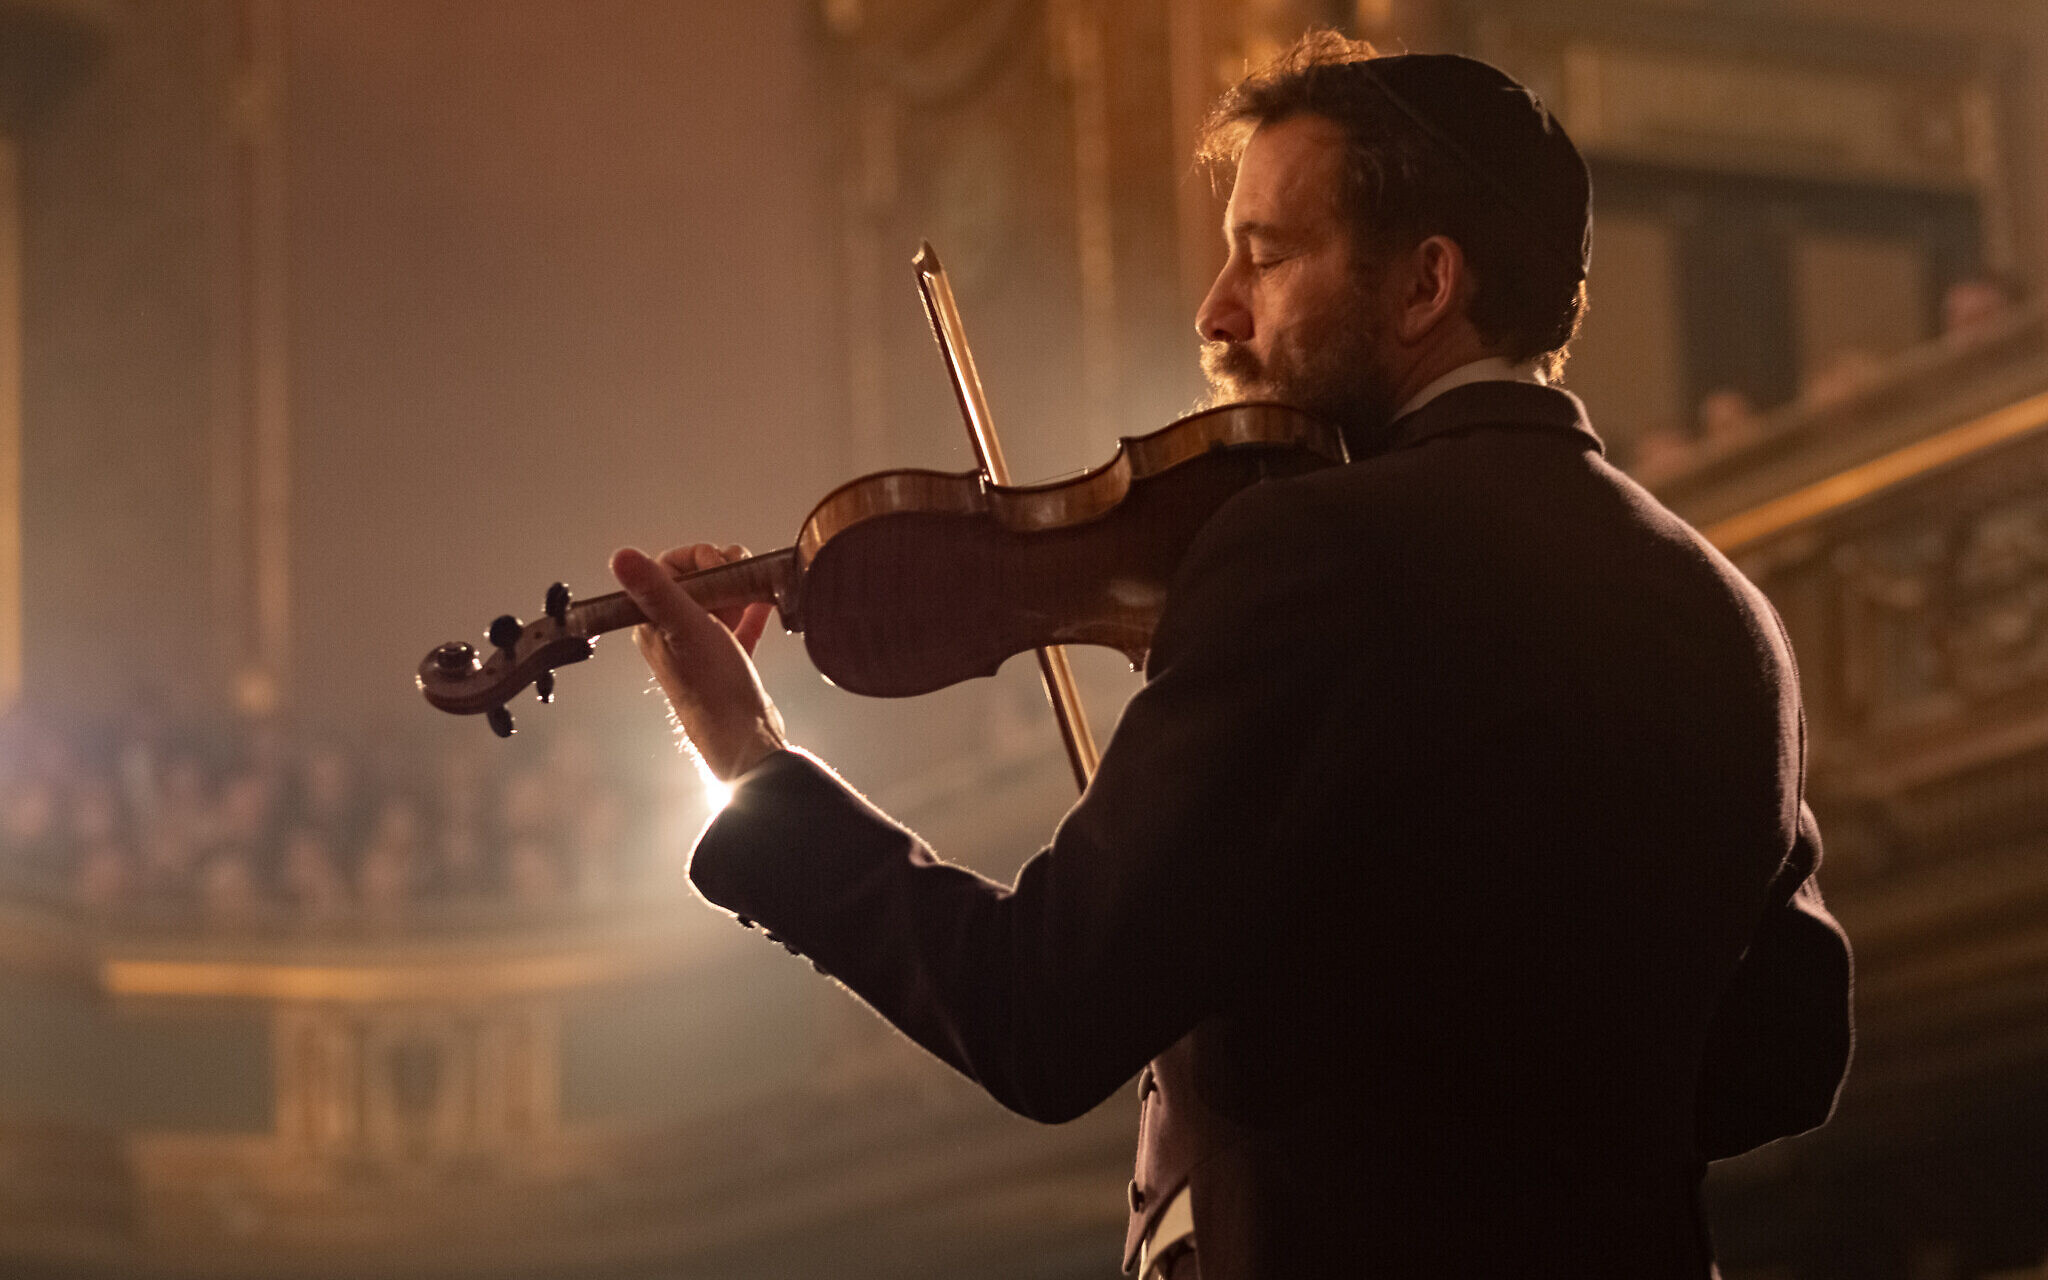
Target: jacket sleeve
x,y
1155,897
1779,1044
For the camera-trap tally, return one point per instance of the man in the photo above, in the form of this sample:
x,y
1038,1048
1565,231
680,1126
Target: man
x,y
1450,871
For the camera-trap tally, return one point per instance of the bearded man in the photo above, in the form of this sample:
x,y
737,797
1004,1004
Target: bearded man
x,y
1449,884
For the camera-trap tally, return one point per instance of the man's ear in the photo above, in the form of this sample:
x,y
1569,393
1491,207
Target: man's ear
x,y
1434,286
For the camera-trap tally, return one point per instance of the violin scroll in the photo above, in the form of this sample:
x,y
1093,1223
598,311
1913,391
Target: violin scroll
x,y
456,678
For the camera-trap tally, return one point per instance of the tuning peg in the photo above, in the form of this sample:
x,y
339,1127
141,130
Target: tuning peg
x,y
500,721
557,606
455,658
544,685
505,631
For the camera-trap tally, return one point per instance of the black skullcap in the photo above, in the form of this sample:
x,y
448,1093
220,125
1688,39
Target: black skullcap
x,y
1506,141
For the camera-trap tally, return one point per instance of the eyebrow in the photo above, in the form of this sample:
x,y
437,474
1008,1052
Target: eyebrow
x,y
1239,230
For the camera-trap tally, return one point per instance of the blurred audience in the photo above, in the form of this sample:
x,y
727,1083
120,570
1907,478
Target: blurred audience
x,y
1978,307
249,828
1729,419
1661,453
1973,309
1841,377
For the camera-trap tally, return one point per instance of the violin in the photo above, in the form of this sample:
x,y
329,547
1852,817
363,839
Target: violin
x,y
904,582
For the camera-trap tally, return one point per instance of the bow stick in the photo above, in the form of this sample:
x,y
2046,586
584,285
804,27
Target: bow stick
x,y
944,314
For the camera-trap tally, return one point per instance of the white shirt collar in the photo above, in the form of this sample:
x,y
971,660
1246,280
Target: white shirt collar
x,y
1489,369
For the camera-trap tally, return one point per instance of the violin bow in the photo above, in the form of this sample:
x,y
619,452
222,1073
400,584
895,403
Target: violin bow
x,y
944,313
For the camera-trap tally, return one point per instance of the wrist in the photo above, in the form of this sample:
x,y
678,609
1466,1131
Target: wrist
x,y
767,738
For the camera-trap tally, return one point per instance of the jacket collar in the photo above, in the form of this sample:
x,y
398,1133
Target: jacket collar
x,y
1509,406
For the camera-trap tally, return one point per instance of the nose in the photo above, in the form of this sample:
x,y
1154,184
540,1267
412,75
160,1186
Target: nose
x,y
1223,315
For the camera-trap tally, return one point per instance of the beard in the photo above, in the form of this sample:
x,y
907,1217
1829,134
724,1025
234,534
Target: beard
x,y
1329,370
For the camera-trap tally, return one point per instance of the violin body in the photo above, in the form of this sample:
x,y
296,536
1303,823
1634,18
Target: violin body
x,y
904,582
916,580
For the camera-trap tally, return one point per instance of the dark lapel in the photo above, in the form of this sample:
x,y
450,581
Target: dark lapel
x,y
1492,405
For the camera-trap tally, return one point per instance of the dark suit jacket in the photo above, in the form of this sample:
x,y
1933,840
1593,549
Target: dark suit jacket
x,y
1452,865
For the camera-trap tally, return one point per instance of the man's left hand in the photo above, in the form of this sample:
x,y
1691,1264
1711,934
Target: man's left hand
x,y
703,663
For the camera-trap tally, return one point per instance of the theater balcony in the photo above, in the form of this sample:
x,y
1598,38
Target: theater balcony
x,y
1901,528
632,1090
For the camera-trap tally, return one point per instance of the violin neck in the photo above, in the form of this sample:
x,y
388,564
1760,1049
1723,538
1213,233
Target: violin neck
x,y
762,579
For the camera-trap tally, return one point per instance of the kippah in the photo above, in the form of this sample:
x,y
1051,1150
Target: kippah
x,y
1504,138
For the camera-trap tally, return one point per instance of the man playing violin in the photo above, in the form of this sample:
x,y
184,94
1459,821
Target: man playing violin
x,y
1449,883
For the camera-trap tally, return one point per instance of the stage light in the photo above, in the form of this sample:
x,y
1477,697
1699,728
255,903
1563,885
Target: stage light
x,y
716,795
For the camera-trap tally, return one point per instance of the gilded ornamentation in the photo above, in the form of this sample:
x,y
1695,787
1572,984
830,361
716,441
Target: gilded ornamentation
x,y
1995,637
1946,611
385,1093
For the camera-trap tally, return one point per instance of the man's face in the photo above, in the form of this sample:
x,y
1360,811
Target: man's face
x,y
1292,316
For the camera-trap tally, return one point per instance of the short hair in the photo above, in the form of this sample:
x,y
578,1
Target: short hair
x,y
1437,144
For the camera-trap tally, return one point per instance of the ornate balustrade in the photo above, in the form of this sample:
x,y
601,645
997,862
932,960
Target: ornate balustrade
x,y
653,1092
1903,535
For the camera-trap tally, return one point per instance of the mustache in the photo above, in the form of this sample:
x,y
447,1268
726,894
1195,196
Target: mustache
x,y
1230,364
